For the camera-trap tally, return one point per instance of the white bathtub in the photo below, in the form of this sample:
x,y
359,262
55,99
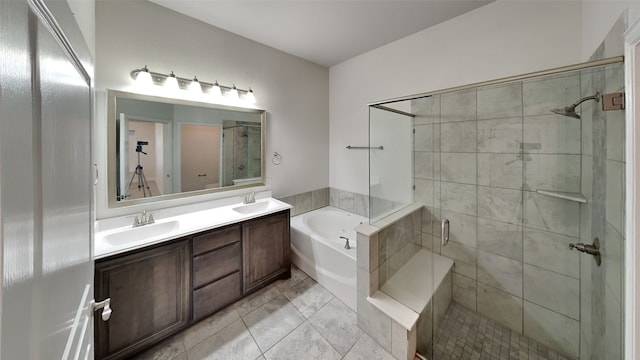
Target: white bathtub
x,y
318,250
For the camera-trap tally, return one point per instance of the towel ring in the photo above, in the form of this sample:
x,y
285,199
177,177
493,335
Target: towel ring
x,y
276,159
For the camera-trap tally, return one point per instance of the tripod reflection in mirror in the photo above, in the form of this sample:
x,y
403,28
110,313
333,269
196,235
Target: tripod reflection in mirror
x,y
138,174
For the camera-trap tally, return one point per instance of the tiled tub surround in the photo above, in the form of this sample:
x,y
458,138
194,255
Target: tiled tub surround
x,y
480,155
400,317
307,201
316,199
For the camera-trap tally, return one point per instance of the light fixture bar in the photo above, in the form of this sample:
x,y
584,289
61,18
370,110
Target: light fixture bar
x,y
183,83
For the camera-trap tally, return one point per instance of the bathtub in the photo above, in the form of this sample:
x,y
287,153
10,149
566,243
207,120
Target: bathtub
x,y
318,250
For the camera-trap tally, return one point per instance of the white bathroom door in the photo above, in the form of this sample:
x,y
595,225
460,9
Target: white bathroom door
x,y
199,156
46,181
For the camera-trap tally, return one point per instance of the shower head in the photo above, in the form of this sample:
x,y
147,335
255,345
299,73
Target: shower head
x,y
570,110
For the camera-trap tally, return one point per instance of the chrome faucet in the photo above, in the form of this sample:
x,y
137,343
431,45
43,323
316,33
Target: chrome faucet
x,y
346,246
143,219
250,198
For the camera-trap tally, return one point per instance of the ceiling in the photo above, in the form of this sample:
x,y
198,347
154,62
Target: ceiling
x,y
323,31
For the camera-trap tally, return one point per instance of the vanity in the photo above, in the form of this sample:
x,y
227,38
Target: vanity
x,y
201,243
204,261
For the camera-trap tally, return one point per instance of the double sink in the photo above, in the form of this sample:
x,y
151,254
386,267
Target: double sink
x,y
117,240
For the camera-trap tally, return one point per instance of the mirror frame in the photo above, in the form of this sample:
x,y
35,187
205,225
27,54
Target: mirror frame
x,y
112,95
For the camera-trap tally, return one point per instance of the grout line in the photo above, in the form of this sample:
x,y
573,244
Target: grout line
x,y
319,332
252,337
354,343
522,201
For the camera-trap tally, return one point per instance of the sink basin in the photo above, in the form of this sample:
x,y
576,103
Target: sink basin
x,y
252,208
131,235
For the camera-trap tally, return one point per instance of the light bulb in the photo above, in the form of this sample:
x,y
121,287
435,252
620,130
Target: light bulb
x,y
143,78
195,87
171,83
215,91
233,93
250,97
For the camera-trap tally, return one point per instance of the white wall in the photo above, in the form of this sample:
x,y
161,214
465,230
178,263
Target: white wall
x,y
144,131
498,40
160,171
84,11
597,19
294,92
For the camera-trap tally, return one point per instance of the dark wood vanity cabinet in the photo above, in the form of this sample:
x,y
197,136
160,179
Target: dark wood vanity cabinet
x,y
156,292
265,250
217,266
149,293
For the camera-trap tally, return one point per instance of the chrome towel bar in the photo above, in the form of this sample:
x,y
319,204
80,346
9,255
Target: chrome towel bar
x,y
365,147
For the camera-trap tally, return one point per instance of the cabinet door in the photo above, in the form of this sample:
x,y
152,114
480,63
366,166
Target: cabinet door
x,y
149,293
265,250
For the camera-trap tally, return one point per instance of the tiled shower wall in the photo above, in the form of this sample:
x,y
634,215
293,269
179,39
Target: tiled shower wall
x,y
603,167
480,155
602,216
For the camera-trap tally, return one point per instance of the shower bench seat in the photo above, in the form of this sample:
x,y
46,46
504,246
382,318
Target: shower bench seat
x,y
416,297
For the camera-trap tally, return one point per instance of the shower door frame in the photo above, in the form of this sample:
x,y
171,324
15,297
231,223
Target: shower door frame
x,y
632,199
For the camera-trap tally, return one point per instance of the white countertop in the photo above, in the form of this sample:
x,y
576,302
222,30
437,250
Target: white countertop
x,y
112,240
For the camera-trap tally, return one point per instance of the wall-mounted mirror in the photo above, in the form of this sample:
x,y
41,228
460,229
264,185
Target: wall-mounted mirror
x,y
161,148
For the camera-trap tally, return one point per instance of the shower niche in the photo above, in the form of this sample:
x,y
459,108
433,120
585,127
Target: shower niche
x,y
526,171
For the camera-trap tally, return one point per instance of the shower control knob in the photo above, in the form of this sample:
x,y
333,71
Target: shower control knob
x,y
585,248
591,249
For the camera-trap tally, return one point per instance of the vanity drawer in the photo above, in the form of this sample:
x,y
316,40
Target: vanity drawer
x,y
217,295
215,239
216,264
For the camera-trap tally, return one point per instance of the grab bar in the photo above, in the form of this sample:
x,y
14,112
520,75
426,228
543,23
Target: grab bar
x,y
444,232
365,147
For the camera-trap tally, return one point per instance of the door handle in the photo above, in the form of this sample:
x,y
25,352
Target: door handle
x,y
444,232
95,182
105,305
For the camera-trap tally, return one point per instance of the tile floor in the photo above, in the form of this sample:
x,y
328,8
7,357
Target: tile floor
x,y
466,335
299,319
290,319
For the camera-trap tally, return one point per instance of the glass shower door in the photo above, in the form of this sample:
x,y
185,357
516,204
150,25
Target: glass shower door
x,y
519,183
521,174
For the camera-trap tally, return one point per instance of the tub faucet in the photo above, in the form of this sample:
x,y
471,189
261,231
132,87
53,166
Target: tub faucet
x,y
143,219
346,246
250,198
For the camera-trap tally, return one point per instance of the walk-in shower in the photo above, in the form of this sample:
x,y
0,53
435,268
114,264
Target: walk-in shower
x,y
518,183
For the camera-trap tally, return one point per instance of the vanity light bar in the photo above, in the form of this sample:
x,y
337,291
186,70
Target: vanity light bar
x,y
184,83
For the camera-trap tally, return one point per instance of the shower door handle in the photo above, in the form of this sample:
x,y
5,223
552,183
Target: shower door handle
x,y
444,232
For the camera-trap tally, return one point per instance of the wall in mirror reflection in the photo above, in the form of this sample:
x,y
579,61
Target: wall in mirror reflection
x,y
165,148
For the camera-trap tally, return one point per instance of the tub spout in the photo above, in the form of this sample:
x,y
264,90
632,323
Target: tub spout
x,y
346,246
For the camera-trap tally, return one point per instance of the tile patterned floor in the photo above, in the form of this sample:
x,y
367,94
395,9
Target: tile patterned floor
x,y
466,335
299,319
290,319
